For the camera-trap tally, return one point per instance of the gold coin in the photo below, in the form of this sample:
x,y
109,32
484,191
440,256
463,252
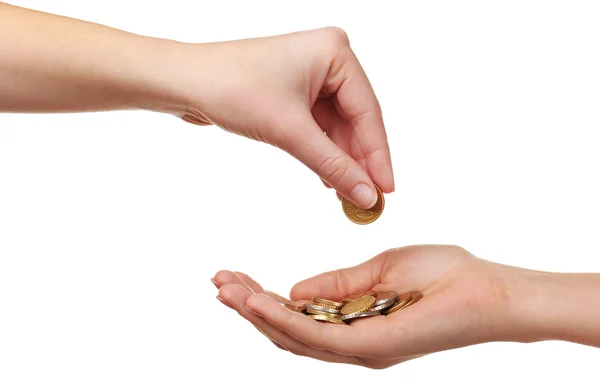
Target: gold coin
x,y
400,302
357,295
327,303
364,216
326,306
364,303
414,297
325,318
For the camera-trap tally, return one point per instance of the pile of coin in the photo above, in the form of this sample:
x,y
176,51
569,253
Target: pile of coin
x,y
357,305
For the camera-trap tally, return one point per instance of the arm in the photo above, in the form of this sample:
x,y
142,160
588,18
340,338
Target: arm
x,y
51,63
285,90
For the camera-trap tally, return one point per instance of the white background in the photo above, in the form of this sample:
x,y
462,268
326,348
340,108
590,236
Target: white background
x,y
112,224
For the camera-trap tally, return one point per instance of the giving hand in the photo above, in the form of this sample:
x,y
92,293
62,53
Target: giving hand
x,y
304,92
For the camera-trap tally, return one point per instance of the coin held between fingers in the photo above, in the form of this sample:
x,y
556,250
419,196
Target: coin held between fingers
x,y
362,193
364,216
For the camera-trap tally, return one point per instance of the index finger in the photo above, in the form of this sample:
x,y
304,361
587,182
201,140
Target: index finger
x,y
356,101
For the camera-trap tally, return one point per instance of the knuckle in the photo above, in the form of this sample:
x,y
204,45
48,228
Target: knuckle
x,y
455,249
333,169
338,36
361,117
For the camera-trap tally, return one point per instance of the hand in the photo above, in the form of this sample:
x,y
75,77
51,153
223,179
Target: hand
x,y
465,301
305,93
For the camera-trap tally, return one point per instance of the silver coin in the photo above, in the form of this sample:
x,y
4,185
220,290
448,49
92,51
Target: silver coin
x,y
384,306
323,309
384,297
364,314
317,312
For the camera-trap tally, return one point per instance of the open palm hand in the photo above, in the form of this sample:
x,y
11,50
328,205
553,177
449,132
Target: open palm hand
x,y
465,301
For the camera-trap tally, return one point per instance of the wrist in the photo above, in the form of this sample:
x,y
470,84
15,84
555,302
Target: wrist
x,y
176,77
152,75
555,306
530,306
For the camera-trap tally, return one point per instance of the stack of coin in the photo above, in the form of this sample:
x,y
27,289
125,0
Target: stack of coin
x,y
358,305
324,310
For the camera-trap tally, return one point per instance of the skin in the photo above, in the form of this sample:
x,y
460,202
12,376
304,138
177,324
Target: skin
x,y
304,92
466,301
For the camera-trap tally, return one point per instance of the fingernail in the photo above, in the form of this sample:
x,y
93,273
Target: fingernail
x,y
364,196
223,301
253,312
217,284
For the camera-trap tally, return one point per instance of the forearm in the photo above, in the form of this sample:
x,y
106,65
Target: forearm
x,y
561,306
50,63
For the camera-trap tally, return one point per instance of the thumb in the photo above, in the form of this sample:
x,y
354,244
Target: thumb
x,y
337,284
336,168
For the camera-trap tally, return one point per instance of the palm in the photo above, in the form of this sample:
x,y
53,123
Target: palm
x,y
458,289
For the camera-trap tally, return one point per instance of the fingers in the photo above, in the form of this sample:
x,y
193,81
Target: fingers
x,y
236,296
356,102
253,284
337,284
226,277
332,164
338,130
340,339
